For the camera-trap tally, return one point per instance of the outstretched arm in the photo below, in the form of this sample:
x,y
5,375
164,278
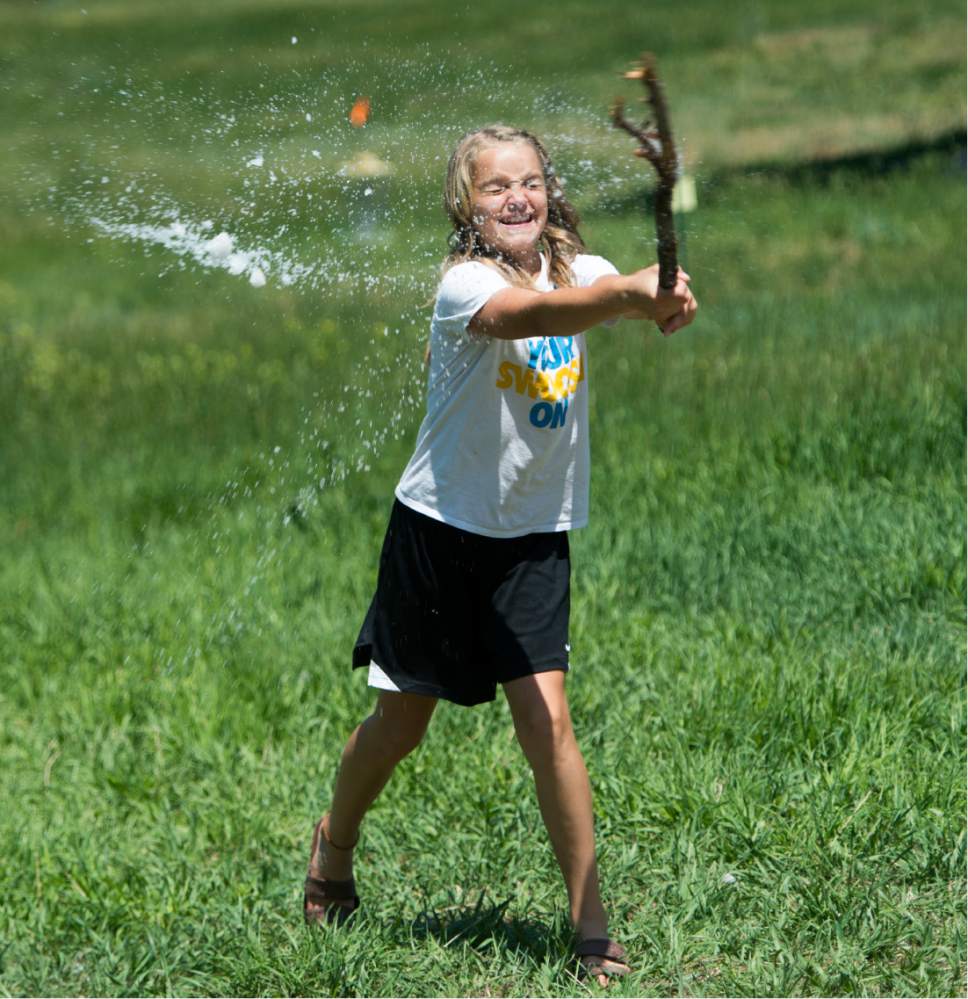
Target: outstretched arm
x,y
519,313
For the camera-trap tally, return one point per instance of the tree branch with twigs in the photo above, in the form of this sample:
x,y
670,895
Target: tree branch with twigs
x,y
656,146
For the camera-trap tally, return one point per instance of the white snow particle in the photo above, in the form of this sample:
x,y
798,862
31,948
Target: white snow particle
x,y
256,160
294,39
237,263
257,278
220,246
728,879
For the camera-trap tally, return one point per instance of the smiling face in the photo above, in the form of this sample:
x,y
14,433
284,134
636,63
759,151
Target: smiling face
x,y
509,201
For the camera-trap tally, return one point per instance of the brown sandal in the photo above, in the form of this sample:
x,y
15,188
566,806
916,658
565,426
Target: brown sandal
x,y
337,899
601,957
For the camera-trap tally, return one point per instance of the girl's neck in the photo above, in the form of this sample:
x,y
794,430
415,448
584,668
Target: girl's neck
x,y
535,263
532,265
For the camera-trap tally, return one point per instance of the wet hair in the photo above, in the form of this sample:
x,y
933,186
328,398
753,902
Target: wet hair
x,y
560,240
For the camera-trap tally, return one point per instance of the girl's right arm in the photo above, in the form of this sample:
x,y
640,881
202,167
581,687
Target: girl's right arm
x,y
520,313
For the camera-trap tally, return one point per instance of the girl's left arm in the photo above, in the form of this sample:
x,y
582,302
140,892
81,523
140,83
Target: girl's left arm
x,y
520,313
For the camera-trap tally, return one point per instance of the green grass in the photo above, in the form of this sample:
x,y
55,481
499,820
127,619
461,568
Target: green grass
x,y
768,615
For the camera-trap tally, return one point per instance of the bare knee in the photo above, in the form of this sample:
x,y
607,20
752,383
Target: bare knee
x,y
543,729
398,723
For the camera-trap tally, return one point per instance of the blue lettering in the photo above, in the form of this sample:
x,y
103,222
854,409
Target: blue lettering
x,y
554,345
550,352
541,414
544,414
560,414
535,347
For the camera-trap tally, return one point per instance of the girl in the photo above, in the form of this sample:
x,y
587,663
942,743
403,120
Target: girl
x,y
473,587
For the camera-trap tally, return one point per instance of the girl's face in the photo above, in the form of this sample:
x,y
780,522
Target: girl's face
x,y
509,201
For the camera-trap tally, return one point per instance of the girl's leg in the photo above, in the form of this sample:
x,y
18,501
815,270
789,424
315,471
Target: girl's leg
x,y
543,727
376,746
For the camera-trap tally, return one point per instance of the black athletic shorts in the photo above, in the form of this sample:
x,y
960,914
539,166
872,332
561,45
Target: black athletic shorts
x,y
457,613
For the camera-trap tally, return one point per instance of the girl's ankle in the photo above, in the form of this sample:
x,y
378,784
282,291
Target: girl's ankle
x,y
591,927
337,846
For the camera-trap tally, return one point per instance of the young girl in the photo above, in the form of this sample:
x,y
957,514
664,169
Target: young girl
x,y
473,587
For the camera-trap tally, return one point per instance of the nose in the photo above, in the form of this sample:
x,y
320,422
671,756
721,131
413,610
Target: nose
x,y
517,197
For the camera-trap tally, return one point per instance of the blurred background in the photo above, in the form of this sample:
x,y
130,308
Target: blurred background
x,y
221,230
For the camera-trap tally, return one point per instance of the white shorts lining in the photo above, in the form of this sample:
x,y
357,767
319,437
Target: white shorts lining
x,y
377,678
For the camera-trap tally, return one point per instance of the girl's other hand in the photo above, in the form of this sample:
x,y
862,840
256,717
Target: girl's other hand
x,y
685,315
670,308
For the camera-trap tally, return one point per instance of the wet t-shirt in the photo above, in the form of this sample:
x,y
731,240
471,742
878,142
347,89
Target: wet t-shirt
x,y
503,449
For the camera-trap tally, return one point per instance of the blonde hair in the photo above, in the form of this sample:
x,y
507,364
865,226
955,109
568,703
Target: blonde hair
x,y
560,239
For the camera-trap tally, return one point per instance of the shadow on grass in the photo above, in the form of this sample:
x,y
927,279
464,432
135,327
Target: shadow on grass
x,y
868,163
485,922
820,171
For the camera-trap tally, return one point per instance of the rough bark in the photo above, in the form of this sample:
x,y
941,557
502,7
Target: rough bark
x,y
656,146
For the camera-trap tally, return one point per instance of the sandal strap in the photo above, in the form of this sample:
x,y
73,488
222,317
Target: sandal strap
x,y
320,891
602,947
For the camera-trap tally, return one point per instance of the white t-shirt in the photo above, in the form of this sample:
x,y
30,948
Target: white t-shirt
x,y
503,449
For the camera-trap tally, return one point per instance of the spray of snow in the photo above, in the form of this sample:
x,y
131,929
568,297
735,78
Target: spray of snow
x,y
285,155
191,240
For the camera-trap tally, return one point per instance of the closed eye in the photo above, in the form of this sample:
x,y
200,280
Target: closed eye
x,y
496,187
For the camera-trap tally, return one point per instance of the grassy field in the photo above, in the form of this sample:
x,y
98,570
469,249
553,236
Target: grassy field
x,y
769,604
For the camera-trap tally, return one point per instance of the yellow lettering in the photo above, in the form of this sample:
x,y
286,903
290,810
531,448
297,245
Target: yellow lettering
x,y
545,385
505,376
554,386
525,381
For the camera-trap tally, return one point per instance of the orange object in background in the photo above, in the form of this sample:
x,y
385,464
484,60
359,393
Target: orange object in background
x,y
360,114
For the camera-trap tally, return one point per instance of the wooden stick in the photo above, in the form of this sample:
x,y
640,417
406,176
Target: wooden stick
x,y
656,146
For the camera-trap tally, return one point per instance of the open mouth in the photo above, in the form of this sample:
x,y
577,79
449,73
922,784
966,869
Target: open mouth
x,y
516,223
